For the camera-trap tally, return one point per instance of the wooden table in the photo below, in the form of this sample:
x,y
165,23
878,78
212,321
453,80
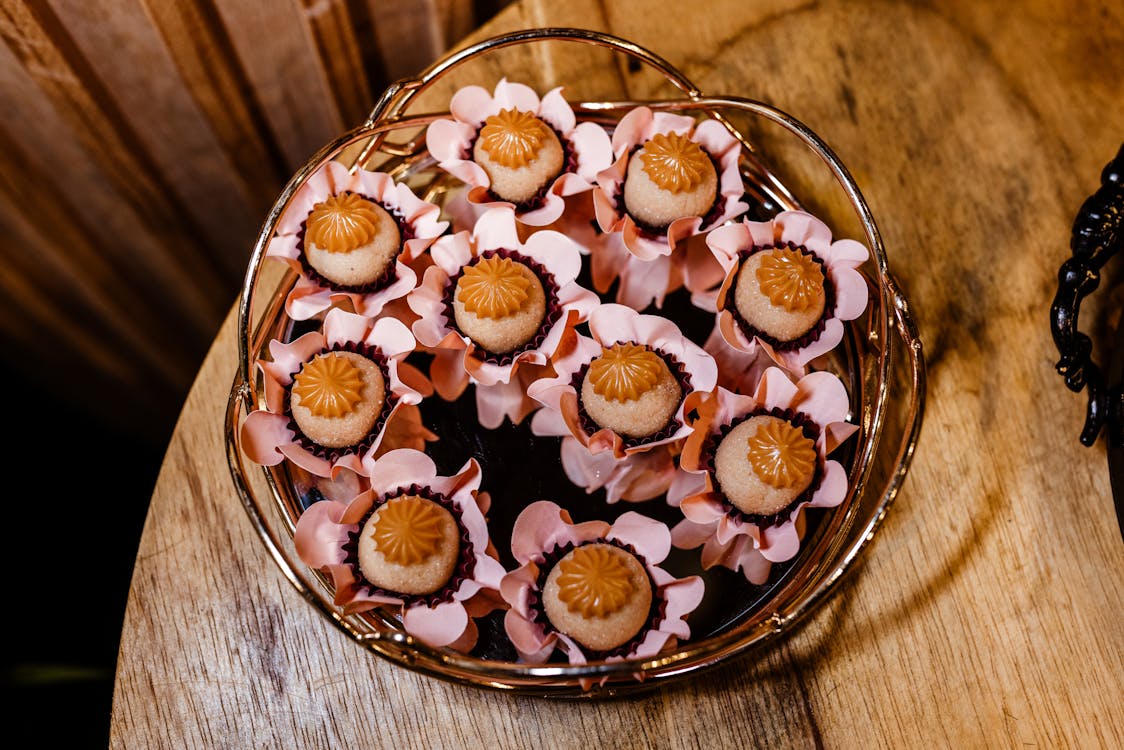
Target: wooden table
x,y
989,610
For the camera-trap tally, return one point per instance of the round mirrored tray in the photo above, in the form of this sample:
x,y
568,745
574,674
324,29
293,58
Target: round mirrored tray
x,y
879,361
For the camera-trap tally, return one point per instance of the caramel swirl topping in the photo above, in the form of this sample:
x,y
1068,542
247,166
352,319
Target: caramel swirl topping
x,y
625,372
790,279
674,162
342,223
494,287
408,530
780,454
329,385
513,137
594,581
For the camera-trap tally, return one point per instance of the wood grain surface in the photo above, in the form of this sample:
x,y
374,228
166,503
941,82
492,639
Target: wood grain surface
x,y
988,612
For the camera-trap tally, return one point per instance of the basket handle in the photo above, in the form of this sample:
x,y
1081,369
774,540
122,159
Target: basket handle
x,y
394,100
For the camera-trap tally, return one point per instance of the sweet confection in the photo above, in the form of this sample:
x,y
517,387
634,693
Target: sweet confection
x,y
763,464
625,369
409,545
520,153
780,292
357,239
478,305
688,378
624,391
630,390
788,288
509,147
499,303
669,177
350,240
599,595
674,177
593,590
337,397
331,394
752,465
415,543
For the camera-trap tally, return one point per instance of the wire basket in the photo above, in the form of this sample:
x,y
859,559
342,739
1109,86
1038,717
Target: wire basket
x,y
880,361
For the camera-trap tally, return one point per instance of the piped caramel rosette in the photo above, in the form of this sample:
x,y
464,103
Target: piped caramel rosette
x,y
787,290
514,149
332,396
594,590
619,399
753,465
415,544
356,239
493,311
673,178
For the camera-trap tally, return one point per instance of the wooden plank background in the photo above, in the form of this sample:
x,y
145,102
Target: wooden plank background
x,y
142,144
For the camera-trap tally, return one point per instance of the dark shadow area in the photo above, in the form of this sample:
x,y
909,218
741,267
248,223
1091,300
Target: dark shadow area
x,y
78,495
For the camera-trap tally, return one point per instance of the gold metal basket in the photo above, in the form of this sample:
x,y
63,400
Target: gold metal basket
x,y
880,361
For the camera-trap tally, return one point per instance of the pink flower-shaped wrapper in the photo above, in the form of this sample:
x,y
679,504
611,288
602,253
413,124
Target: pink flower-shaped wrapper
x,y
638,477
840,258
542,527
738,371
650,267
450,142
611,324
312,294
324,529
726,538
268,434
457,360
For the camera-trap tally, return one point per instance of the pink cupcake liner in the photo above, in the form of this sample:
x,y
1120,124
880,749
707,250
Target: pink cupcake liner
x,y
312,295
269,437
457,360
648,262
587,144
849,295
610,324
544,532
325,540
817,402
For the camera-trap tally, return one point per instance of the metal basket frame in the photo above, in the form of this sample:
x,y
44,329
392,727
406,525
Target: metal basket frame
x,y
837,550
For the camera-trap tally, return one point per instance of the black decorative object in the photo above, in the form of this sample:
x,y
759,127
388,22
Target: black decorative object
x,y
1095,239
1098,234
